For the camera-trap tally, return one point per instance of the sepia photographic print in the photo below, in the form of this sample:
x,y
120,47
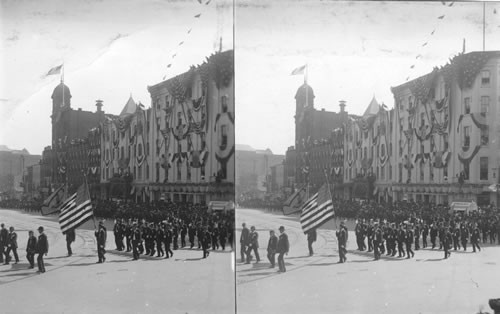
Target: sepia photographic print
x,y
367,157
117,157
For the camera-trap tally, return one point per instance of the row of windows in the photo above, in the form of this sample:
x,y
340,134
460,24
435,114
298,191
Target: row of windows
x,y
380,151
485,105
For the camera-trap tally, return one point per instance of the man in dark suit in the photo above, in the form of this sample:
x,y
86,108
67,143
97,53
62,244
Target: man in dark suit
x,y
100,235
464,236
409,241
342,235
160,237
31,249
168,241
191,234
4,238
475,238
244,239
253,245
311,238
70,238
42,248
11,246
282,248
272,246
222,236
136,239
205,242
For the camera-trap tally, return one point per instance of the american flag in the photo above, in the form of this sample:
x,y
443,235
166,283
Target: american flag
x,y
317,210
76,209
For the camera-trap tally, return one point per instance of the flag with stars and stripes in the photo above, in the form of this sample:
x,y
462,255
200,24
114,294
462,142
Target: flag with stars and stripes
x,y
76,209
317,210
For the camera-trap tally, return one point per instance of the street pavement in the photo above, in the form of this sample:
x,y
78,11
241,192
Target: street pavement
x,y
426,283
186,283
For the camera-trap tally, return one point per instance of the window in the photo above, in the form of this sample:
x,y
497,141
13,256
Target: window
x,y
466,171
167,102
223,137
383,150
147,149
483,168
139,172
422,148
122,152
382,172
223,101
390,172
466,138
467,105
485,105
179,118
446,144
400,166
485,136
431,173
365,153
421,172
179,175
422,119
445,171
188,171
157,172
139,149
128,152
485,78
135,172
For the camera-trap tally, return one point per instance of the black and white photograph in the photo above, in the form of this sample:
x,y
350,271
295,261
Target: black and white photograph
x,y
367,157
117,156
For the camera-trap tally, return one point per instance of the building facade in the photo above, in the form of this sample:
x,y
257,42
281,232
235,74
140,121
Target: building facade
x,y
182,147
447,132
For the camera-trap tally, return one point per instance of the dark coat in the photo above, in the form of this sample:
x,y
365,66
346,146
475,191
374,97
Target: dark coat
x,y
42,245
283,244
272,245
245,236
70,235
13,240
101,236
312,235
254,240
31,246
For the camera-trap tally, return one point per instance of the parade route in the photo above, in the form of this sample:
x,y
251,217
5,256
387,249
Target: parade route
x,y
185,283
425,284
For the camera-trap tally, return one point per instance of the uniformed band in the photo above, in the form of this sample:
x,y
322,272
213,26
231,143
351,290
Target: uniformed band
x,y
140,229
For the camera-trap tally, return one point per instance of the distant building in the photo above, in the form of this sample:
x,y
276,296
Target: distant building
x,y
253,167
69,127
314,147
13,165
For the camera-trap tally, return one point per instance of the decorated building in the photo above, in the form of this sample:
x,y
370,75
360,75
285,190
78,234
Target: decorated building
x,y
314,146
192,130
182,147
446,133
368,145
69,127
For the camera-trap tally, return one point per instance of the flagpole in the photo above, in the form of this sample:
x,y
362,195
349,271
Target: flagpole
x,y
88,195
329,192
62,83
484,25
307,89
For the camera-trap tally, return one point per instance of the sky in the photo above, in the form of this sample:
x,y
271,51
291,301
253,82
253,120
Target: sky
x,y
111,49
354,51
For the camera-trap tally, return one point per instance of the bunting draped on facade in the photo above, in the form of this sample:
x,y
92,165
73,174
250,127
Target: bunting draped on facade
x,y
468,158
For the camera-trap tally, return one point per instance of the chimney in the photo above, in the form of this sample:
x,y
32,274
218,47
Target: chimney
x,y
342,106
98,104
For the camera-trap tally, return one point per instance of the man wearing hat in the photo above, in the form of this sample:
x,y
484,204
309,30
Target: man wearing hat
x,y
282,248
12,246
409,237
100,235
342,241
377,241
253,245
271,247
4,239
244,239
31,249
42,247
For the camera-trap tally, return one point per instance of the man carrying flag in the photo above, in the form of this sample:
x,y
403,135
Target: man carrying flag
x,y
317,210
76,209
